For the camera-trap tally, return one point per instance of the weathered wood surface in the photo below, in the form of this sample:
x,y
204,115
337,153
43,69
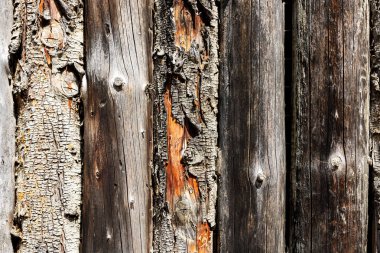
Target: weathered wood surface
x,y
185,124
117,204
47,59
375,119
7,131
330,133
251,198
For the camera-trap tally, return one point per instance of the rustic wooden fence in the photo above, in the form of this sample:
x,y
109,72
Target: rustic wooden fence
x,y
198,125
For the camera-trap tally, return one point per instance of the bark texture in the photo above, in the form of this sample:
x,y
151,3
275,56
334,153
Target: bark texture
x,y
251,198
185,122
117,203
47,52
329,176
7,132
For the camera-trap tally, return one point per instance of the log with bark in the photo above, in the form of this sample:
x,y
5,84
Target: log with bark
x,y
7,132
185,92
47,57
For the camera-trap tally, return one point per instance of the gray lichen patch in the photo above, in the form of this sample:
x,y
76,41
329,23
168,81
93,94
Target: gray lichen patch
x,y
47,49
186,74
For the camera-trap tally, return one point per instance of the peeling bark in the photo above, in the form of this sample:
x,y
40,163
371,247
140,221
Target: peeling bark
x,y
7,132
185,124
47,50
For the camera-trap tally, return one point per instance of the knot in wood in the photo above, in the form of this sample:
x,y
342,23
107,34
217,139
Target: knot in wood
x,y
71,149
335,162
52,36
260,179
118,83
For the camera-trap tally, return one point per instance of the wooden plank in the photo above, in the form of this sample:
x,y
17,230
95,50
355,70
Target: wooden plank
x,y
185,125
117,209
47,60
375,122
7,132
252,124
329,195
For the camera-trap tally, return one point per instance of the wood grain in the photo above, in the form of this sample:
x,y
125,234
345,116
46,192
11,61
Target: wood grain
x,y
117,203
251,198
329,174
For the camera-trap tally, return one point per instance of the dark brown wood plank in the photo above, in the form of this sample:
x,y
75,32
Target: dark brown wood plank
x,y
329,175
7,132
117,209
252,127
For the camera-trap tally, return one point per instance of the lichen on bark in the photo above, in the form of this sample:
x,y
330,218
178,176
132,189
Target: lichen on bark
x,y
185,123
47,54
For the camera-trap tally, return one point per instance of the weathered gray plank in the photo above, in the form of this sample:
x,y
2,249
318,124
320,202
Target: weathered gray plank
x,y
7,131
375,119
185,124
329,176
252,127
117,204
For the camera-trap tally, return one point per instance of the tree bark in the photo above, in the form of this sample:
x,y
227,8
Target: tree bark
x,y
185,124
117,127
252,127
47,53
329,176
7,132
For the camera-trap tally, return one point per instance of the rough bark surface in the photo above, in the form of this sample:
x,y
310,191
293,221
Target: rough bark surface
x,y
185,122
7,132
329,176
47,53
117,203
251,198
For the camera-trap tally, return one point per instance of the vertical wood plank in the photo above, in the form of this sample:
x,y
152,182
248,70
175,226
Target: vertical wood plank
x,y
7,132
375,121
117,204
251,198
329,177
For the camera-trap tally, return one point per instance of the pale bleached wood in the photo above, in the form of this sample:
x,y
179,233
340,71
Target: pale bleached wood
x,y
7,131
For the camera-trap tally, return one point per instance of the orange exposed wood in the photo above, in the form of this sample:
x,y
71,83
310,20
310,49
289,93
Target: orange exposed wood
x,y
176,140
177,181
203,237
47,55
188,26
41,6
